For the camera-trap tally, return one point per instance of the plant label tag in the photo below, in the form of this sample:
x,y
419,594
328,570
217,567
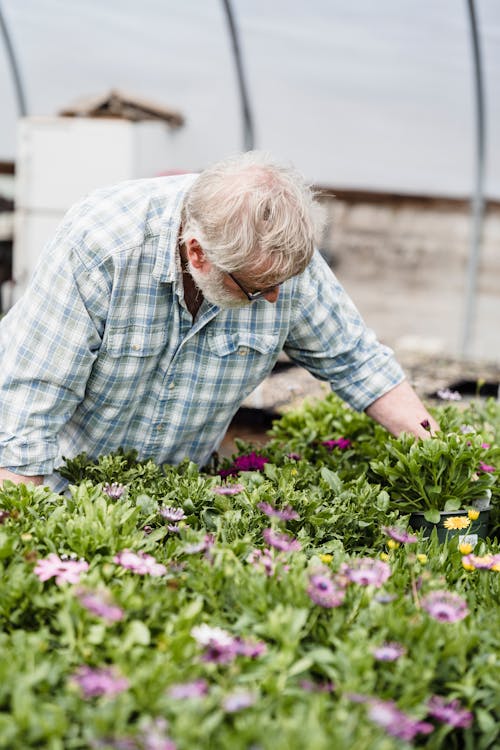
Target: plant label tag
x,y
468,539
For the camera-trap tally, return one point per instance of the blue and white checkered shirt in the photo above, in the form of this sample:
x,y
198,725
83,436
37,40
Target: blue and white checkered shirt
x,y
101,351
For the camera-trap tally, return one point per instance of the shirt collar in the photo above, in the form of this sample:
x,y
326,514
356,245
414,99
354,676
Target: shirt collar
x,y
167,266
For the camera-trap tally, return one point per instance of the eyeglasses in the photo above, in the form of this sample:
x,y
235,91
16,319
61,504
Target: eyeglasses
x,y
252,296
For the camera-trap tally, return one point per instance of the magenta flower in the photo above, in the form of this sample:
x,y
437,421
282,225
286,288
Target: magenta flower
x,y
396,723
154,736
451,713
425,424
445,606
186,690
487,468
283,542
139,563
399,535
64,571
389,651
114,490
324,592
294,456
249,462
99,604
172,514
103,681
366,571
341,443
285,514
250,649
228,489
238,700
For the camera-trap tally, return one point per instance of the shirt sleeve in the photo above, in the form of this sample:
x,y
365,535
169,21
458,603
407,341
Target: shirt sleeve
x,y
330,339
48,343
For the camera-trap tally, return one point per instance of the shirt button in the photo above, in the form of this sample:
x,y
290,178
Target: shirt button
x,y
242,351
171,386
159,427
135,347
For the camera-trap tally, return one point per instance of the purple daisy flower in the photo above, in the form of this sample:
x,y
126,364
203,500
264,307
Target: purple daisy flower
x,y
399,535
250,649
139,563
204,545
294,456
324,592
390,651
445,606
114,490
100,604
312,686
285,514
228,489
396,723
172,514
479,562
451,713
99,681
64,571
366,571
283,542
238,700
341,443
186,690
487,468
219,646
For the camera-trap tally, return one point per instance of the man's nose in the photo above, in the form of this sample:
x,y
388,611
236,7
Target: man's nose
x,y
273,295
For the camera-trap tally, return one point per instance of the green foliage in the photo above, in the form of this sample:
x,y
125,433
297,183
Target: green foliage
x,y
343,499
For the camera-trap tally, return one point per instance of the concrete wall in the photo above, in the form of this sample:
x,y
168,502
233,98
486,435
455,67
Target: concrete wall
x,y
404,262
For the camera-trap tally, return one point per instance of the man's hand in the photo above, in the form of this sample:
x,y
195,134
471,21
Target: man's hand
x,y
400,410
19,478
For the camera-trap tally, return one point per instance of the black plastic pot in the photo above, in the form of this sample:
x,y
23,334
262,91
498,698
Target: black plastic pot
x,y
476,530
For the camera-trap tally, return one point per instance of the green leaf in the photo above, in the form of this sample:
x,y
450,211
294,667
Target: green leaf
x,y
432,516
453,504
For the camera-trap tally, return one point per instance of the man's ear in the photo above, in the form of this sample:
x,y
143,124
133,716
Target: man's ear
x,y
195,254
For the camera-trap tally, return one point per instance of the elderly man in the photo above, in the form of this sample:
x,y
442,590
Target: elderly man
x,y
162,303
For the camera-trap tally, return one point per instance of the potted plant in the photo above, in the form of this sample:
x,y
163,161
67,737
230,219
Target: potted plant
x,y
444,481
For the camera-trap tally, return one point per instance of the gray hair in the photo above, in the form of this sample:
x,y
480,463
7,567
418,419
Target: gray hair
x,y
247,209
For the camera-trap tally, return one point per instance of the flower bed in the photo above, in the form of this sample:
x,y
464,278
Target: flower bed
x,y
277,601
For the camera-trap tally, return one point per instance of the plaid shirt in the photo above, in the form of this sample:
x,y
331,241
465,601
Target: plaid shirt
x,y
101,351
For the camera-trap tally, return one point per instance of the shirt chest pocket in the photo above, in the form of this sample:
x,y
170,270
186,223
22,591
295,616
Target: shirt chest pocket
x,y
243,359
128,359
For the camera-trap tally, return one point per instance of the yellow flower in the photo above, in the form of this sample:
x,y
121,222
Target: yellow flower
x,y
326,558
465,548
473,514
467,565
293,472
384,556
456,522
392,544
422,558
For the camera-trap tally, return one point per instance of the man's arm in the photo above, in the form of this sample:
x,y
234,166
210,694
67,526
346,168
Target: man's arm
x,y
18,478
400,410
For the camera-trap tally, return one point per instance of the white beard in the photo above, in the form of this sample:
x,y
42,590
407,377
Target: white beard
x,y
211,285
